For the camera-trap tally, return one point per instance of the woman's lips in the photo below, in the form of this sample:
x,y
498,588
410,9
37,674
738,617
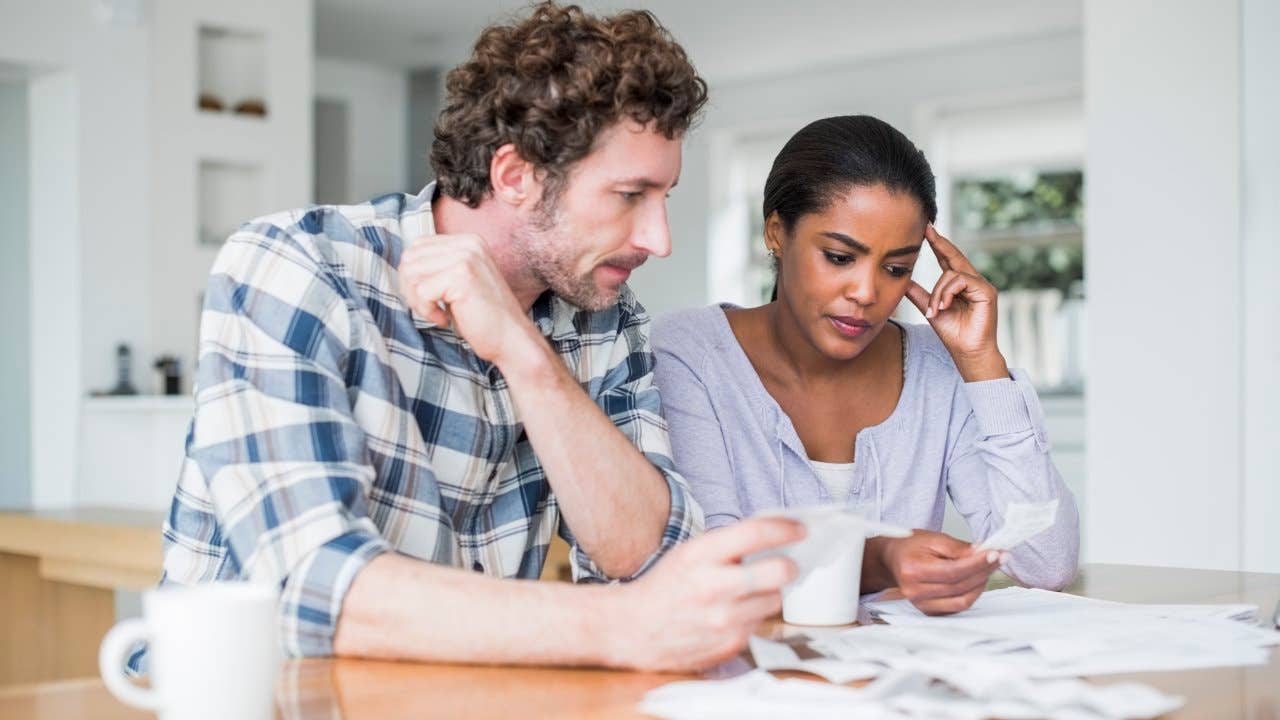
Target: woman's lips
x,y
848,326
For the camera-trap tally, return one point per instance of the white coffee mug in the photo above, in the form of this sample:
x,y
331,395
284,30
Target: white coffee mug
x,y
213,651
826,593
829,561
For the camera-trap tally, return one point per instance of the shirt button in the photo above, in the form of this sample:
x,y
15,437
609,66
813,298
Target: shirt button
x,y
478,567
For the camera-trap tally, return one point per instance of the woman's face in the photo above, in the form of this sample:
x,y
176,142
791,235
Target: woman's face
x,y
843,270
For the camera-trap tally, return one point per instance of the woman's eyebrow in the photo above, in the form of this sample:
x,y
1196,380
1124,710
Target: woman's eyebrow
x,y
841,237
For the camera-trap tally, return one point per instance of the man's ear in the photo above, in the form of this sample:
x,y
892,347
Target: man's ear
x,y
511,177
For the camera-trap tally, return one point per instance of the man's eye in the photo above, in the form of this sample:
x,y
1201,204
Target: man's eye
x,y
837,258
630,196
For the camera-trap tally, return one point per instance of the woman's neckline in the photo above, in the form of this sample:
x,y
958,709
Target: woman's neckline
x,y
766,400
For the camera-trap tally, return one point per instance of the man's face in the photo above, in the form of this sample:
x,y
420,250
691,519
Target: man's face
x,y
610,217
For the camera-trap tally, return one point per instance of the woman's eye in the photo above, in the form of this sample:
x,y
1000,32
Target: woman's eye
x,y
837,258
899,271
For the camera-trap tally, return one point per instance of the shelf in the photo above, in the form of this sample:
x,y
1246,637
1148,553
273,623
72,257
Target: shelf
x,y
227,194
231,70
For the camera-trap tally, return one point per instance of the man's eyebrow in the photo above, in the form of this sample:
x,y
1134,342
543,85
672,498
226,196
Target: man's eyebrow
x,y
841,237
644,182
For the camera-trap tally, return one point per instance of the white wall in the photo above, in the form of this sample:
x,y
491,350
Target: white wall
x,y
277,147
15,361
58,304
107,207
1164,261
377,101
1260,218
89,175
894,89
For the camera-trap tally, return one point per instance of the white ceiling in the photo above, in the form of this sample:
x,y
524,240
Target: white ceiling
x,y
729,40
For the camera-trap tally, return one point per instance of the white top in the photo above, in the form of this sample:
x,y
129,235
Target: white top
x,y
836,477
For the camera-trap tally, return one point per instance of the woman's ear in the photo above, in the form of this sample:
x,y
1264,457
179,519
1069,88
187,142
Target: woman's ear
x,y
774,234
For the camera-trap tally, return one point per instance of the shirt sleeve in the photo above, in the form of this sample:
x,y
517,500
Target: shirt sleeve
x,y
630,399
273,435
697,440
1002,455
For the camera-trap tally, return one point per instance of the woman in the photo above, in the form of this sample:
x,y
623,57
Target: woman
x,y
819,396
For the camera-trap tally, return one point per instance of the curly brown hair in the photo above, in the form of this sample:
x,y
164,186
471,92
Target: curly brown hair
x,y
549,85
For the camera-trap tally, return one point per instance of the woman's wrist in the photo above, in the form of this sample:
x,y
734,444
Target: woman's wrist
x,y
988,365
877,567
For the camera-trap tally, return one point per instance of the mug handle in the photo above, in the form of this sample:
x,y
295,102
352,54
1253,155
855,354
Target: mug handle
x,y
111,658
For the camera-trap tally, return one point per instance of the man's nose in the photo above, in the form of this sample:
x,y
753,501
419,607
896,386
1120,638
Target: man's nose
x,y
653,235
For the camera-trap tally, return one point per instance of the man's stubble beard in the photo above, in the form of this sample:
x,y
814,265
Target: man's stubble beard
x,y
547,249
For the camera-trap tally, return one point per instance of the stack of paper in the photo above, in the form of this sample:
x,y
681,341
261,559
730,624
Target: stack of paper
x,y
901,695
1013,654
1049,634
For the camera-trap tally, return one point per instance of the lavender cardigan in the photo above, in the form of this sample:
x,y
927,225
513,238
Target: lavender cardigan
x,y
983,443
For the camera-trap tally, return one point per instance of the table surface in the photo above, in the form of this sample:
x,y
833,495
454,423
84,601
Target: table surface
x,y
327,688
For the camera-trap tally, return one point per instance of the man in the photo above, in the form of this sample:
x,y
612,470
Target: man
x,y
399,402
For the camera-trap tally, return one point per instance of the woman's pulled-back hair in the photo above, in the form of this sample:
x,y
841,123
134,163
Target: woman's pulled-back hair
x,y
829,157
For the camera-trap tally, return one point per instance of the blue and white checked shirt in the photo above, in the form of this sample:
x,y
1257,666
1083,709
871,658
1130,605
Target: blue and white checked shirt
x,y
332,425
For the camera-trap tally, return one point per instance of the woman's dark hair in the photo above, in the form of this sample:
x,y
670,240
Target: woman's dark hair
x,y
829,157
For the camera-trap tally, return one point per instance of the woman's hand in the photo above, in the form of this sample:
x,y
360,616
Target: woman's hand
x,y
962,310
936,572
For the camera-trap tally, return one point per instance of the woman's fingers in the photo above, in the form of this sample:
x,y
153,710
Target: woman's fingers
x,y
948,571
949,605
955,285
918,296
935,298
963,586
949,256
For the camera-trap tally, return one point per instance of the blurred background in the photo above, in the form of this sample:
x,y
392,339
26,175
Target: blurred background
x,y
1113,168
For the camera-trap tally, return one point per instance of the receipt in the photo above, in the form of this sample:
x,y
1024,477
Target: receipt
x,y
1022,521
774,655
827,526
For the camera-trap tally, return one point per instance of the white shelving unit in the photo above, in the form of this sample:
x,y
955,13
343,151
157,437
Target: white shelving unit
x,y
215,170
209,171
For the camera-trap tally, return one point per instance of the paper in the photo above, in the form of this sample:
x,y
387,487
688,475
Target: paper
x,y
1051,634
902,695
826,527
760,695
1022,521
774,655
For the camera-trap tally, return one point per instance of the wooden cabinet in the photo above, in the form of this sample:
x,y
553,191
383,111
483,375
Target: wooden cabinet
x,y
59,571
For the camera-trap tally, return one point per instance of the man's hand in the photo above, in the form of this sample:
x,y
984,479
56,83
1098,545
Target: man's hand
x,y
456,271
700,603
938,573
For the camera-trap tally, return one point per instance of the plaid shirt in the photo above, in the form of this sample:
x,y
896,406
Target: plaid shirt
x,y
332,425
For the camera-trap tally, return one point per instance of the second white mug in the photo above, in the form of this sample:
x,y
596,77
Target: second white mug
x,y
213,651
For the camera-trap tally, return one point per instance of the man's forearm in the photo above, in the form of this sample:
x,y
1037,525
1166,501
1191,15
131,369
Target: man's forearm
x,y
615,500
406,609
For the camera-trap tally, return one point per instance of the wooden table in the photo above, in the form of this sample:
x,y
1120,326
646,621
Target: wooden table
x,y
59,571
356,689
